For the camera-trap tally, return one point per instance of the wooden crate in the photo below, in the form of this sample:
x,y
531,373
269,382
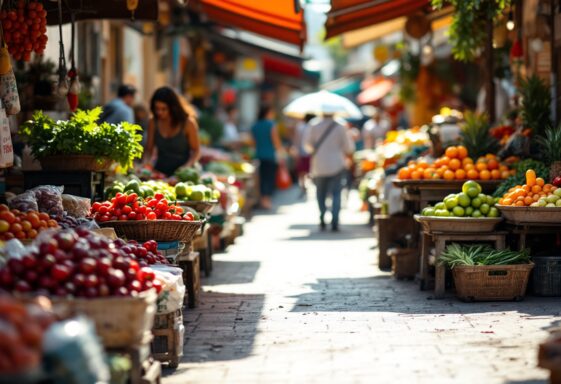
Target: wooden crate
x,y
190,264
144,370
202,244
390,229
168,331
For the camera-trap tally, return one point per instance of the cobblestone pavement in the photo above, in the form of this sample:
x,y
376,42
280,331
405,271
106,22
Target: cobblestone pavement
x,y
287,304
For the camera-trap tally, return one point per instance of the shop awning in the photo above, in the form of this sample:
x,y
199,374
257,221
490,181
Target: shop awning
x,y
375,90
276,19
348,15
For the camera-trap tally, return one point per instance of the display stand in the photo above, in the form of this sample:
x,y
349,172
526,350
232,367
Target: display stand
x,y
440,239
144,370
523,230
203,245
79,183
167,346
189,262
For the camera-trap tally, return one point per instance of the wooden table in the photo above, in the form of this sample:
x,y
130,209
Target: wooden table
x,y
440,239
525,229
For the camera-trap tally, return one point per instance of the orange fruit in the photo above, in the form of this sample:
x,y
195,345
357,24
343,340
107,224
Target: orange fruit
x,y
422,164
485,175
528,200
472,174
416,175
467,160
531,177
536,196
519,203
507,201
440,172
449,175
460,174
490,156
455,164
480,166
411,162
462,152
547,188
452,152
503,168
495,174
540,181
427,173
536,189
505,174
468,166
527,188
404,174
492,164
444,160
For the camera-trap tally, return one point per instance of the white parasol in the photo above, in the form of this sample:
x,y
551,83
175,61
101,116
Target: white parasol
x,y
321,103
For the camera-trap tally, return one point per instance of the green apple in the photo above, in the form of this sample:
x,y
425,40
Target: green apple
x,y
542,202
493,212
476,213
476,203
464,200
552,198
451,202
558,203
469,211
484,209
534,204
442,213
458,211
490,200
550,205
440,206
471,188
428,211
557,192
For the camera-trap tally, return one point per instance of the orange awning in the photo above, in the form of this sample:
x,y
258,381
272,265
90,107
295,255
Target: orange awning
x,y
348,15
276,19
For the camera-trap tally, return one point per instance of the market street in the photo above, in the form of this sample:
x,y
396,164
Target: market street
x,y
289,304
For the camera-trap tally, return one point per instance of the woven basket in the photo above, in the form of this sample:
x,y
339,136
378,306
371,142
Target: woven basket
x,y
119,321
203,207
492,282
159,230
75,163
405,262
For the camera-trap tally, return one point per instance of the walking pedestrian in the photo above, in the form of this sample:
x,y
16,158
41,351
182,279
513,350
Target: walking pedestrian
x,y
375,129
302,156
329,144
120,108
173,132
267,146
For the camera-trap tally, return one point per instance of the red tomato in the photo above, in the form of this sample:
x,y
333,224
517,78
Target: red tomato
x,y
126,210
151,216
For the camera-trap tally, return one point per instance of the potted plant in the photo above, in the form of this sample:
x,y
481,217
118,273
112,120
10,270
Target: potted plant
x,y
550,147
81,143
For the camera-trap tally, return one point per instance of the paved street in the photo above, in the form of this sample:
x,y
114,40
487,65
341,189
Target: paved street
x,y
287,304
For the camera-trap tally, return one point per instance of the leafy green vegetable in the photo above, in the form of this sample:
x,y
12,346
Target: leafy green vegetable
x,y
82,135
520,177
455,255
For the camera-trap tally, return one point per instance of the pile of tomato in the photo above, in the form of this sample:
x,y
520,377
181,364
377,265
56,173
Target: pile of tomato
x,y
25,29
19,225
129,207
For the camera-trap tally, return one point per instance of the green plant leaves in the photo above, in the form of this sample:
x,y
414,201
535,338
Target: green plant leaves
x,y
82,135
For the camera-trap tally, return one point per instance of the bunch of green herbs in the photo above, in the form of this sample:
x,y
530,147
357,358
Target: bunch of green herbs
x,y
478,254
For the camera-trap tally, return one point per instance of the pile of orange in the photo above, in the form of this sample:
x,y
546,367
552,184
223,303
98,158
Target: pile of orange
x,y
529,193
456,165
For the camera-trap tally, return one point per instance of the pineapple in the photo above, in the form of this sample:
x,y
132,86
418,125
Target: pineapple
x,y
536,102
475,135
550,147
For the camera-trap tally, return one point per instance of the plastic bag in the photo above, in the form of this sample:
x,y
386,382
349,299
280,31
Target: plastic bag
x,y
49,199
171,297
76,206
283,178
24,202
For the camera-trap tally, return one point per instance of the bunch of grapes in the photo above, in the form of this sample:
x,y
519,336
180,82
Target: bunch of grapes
x,y
25,29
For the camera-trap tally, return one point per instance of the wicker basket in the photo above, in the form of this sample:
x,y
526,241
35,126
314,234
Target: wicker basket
x,y
492,282
75,163
458,224
159,230
119,321
523,215
405,262
203,207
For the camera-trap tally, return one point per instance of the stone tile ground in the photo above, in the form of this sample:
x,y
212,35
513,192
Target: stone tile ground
x,y
287,304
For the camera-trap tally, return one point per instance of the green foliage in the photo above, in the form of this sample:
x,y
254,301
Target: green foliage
x,y
536,102
211,126
475,135
408,73
520,177
468,29
82,135
550,145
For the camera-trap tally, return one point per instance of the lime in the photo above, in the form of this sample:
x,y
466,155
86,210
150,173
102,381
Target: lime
x,y
451,202
458,211
442,213
476,203
464,200
440,206
473,186
181,191
493,212
490,200
450,196
484,209
469,211
476,213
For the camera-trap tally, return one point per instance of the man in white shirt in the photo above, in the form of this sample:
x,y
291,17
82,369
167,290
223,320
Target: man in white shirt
x,y
329,143
375,129
231,136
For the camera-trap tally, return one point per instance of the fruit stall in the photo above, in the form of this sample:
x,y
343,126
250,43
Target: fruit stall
x,y
477,211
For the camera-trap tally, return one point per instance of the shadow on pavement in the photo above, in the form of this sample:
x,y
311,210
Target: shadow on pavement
x,y
384,294
531,381
232,272
223,327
